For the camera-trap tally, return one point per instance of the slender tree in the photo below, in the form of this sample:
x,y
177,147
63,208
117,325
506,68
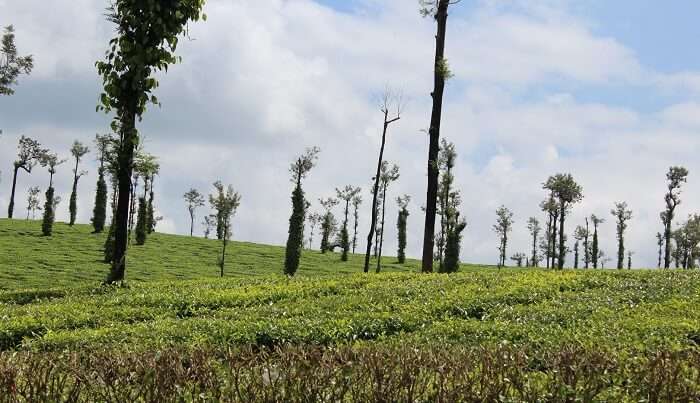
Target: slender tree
x,y
314,220
49,161
567,192
386,177
389,102
11,65
401,222
622,215
33,203
549,206
29,154
447,198
453,243
145,167
676,176
629,260
660,242
441,73
356,201
141,222
299,169
78,150
99,211
328,224
225,204
194,199
533,225
209,223
580,234
147,35
503,226
595,251
586,246
519,258
346,195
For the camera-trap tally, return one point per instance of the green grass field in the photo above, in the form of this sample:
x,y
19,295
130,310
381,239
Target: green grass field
x,y
595,333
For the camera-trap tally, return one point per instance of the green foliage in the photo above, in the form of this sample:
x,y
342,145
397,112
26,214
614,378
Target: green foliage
x,y
401,223
49,214
296,232
503,226
141,222
33,203
11,65
328,224
78,150
347,195
99,212
622,215
452,247
28,155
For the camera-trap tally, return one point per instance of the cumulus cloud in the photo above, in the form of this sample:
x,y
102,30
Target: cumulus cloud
x,y
263,80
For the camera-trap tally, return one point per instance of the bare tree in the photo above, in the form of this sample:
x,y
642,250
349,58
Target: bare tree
x,y
391,102
314,219
33,203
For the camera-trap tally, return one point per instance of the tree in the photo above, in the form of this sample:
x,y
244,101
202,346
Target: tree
x,y
328,225
193,199
586,248
78,150
11,65
49,161
533,225
441,73
660,243
549,206
519,258
687,238
346,194
387,176
389,101
295,241
567,192
595,251
622,215
33,201
629,260
29,154
503,226
314,219
146,167
580,234
218,199
99,212
147,37
141,222
401,222
676,176
225,205
356,201
448,200
209,223
453,244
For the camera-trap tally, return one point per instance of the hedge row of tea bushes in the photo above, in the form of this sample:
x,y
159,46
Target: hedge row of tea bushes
x,y
370,373
620,310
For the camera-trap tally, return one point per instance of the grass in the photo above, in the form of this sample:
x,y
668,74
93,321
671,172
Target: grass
x,y
510,334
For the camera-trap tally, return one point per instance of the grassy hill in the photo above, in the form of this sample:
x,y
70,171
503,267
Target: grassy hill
x,y
73,255
178,331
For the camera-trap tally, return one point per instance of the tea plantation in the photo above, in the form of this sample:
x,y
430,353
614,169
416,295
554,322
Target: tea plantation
x,y
178,332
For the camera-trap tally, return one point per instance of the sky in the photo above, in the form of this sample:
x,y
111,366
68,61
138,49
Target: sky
x,y
606,91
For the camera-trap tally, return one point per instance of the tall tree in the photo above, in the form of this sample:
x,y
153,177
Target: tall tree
x,y
441,73
314,219
503,226
194,199
448,199
390,101
78,150
225,204
215,200
299,169
533,225
99,211
346,195
29,154
567,192
33,201
595,250
328,224
586,246
356,201
49,161
11,65
209,223
549,206
676,176
453,244
401,222
147,36
622,214
146,167
660,244
141,222
580,234
386,177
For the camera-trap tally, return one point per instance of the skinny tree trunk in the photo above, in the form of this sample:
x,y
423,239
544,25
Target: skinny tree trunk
x,y
667,236
586,251
375,190
121,222
11,207
191,223
562,247
354,234
534,250
434,132
74,195
620,251
549,239
381,236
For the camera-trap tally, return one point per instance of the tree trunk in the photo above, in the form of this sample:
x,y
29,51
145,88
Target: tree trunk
x,y
74,195
381,236
586,251
562,247
667,236
434,132
555,220
620,250
354,234
11,207
191,223
534,250
121,222
375,190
